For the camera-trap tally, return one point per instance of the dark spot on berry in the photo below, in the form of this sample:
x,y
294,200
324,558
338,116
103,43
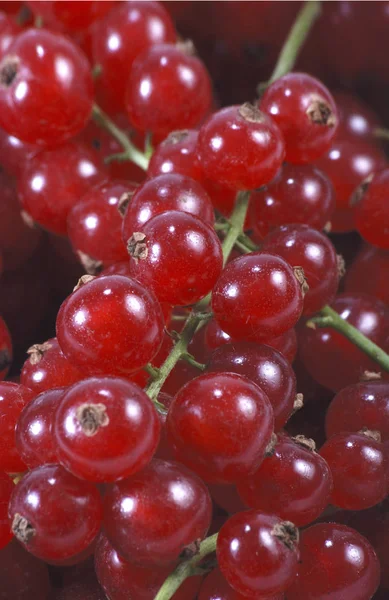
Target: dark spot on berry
x,y
8,70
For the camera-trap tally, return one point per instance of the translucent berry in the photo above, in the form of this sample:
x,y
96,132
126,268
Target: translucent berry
x,y
371,213
13,398
215,587
241,147
356,119
111,325
72,16
365,273
176,154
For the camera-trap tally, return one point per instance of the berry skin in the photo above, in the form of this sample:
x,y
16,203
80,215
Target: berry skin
x,y
215,587
372,213
364,404
64,173
5,349
13,398
257,297
298,194
6,489
293,482
44,74
53,514
111,325
258,553
176,255
105,429
69,15
94,225
336,562
306,114
365,273
240,147
219,425
22,576
264,366
34,430
168,89
169,511
359,469
48,368
332,359
163,193
312,250
145,24
356,120
176,154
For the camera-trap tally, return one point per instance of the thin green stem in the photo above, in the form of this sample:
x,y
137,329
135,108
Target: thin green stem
x,y
190,359
130,151
382,133
186,569
294,42
330,318
236,222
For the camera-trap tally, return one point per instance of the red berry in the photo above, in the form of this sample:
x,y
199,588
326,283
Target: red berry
x,y
306,114
219,425
158,515
47,368
6,489
371,213
110,325
258,553
311,250
293,482
14,153
70,15
176,154
215,587
336,562
5,349
359,470
34,431
9,29
365,273
364,404
94,225
240,147
46,88
176,255
299,194
54,514
257,296
145,23
168,89
163,193
264,366
356,120
13,398
105,429
64,173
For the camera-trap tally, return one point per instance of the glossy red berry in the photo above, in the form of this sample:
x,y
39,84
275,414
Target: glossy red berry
x,y
219,425
155,517
111,325
145,24
298,194
5,349
6,489
306,114
9,29
312,250
336,562
168,89
46,88
54,514
364,404
72,16
64,173
359,469
13,398
241,147
23,576
332,359
47,367
258,297
264,366
215,587
365,273
356,119
294,482
371,213
176,255
34,431
105,429
163,193
14,153
94,225
176,154
258,553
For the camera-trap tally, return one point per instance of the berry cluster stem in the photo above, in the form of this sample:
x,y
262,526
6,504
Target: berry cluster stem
x,y
186,569
330,318
130,152
236,223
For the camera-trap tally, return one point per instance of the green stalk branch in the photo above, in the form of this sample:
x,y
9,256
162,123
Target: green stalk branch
x,y
294,42
190,359
330,318
130,152
236,222
381,133
186,569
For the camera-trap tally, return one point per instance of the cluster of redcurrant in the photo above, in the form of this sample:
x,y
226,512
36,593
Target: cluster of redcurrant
x,y
167,404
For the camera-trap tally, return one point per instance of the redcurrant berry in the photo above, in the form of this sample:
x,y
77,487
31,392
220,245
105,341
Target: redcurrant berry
x,y
215,587
13,398
371,213
6,489
70,15
176,154
365,273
